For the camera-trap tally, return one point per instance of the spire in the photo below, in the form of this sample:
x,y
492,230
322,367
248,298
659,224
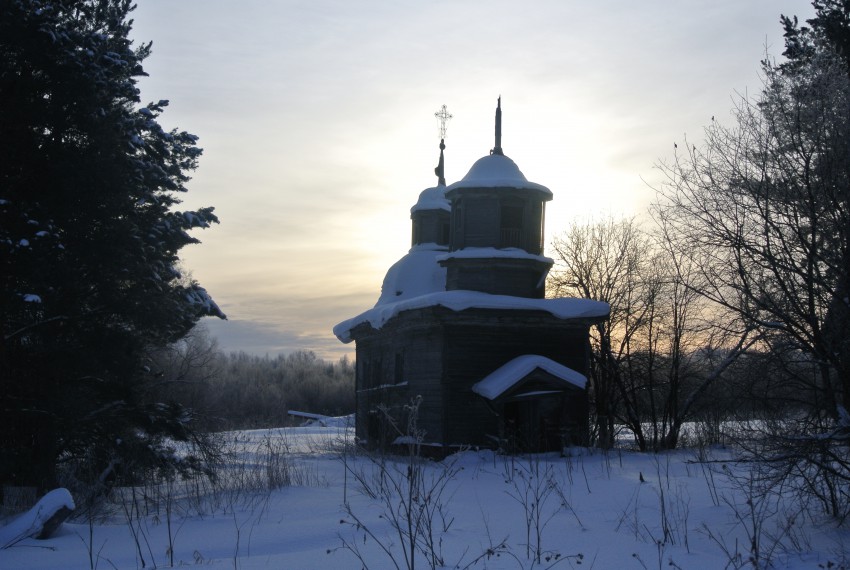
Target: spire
x,y
443,115
498,148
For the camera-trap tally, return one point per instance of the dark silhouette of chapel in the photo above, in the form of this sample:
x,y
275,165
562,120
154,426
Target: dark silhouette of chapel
x,y
462,323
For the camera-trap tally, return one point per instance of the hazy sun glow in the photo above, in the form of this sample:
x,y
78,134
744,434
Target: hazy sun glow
x,y
318,128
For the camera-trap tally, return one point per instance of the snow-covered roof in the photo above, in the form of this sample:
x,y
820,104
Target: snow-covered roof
x,y
415,274
496,171
432,199
510,374
491,252
463,300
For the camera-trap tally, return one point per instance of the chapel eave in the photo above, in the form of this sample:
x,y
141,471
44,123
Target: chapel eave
x,y
581,312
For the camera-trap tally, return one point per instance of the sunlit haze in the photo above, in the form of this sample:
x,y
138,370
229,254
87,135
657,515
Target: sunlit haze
x,y
318,129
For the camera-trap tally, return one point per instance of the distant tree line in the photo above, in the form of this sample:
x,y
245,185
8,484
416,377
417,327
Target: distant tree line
x,y
242,391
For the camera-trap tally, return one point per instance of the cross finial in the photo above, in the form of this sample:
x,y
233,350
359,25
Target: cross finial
x,y
444,116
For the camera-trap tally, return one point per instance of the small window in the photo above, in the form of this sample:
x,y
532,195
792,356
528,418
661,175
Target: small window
x,y
364,376
417,231
399,367
458,241
377,373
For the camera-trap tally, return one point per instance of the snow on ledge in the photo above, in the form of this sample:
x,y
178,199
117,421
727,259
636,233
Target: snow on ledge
x,y
492,252
563,308
508,375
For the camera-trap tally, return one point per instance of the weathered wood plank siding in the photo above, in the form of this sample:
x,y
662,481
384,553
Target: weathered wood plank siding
x,y
413,342
481,221
438,354
497,276
480,345
430,226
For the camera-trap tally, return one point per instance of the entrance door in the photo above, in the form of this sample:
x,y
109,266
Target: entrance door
x,y
533,424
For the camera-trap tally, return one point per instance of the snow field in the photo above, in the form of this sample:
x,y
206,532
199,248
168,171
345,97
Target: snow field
x,y
587,510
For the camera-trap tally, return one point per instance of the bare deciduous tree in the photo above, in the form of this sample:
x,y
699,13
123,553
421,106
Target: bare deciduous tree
x,y
648,369
762,212
602,261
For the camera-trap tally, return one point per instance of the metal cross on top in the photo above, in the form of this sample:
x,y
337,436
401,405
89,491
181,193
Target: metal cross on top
x,y
443,115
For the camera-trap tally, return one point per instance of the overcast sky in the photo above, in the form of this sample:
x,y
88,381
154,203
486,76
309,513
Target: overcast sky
x,y
317,123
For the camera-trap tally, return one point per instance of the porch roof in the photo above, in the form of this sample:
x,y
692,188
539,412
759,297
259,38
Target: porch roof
x,y
515,371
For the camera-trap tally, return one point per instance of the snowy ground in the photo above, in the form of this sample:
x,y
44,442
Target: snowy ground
x,y
589,510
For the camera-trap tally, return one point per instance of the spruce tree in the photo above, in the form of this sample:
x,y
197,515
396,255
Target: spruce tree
x,y
89,242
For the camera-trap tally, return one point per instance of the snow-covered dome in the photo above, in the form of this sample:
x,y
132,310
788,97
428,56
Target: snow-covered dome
x,y
497,171
415,274
432,199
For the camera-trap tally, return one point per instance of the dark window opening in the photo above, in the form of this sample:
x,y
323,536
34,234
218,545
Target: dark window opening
x,y
399,367
510,227
365,375
458,241
377,373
